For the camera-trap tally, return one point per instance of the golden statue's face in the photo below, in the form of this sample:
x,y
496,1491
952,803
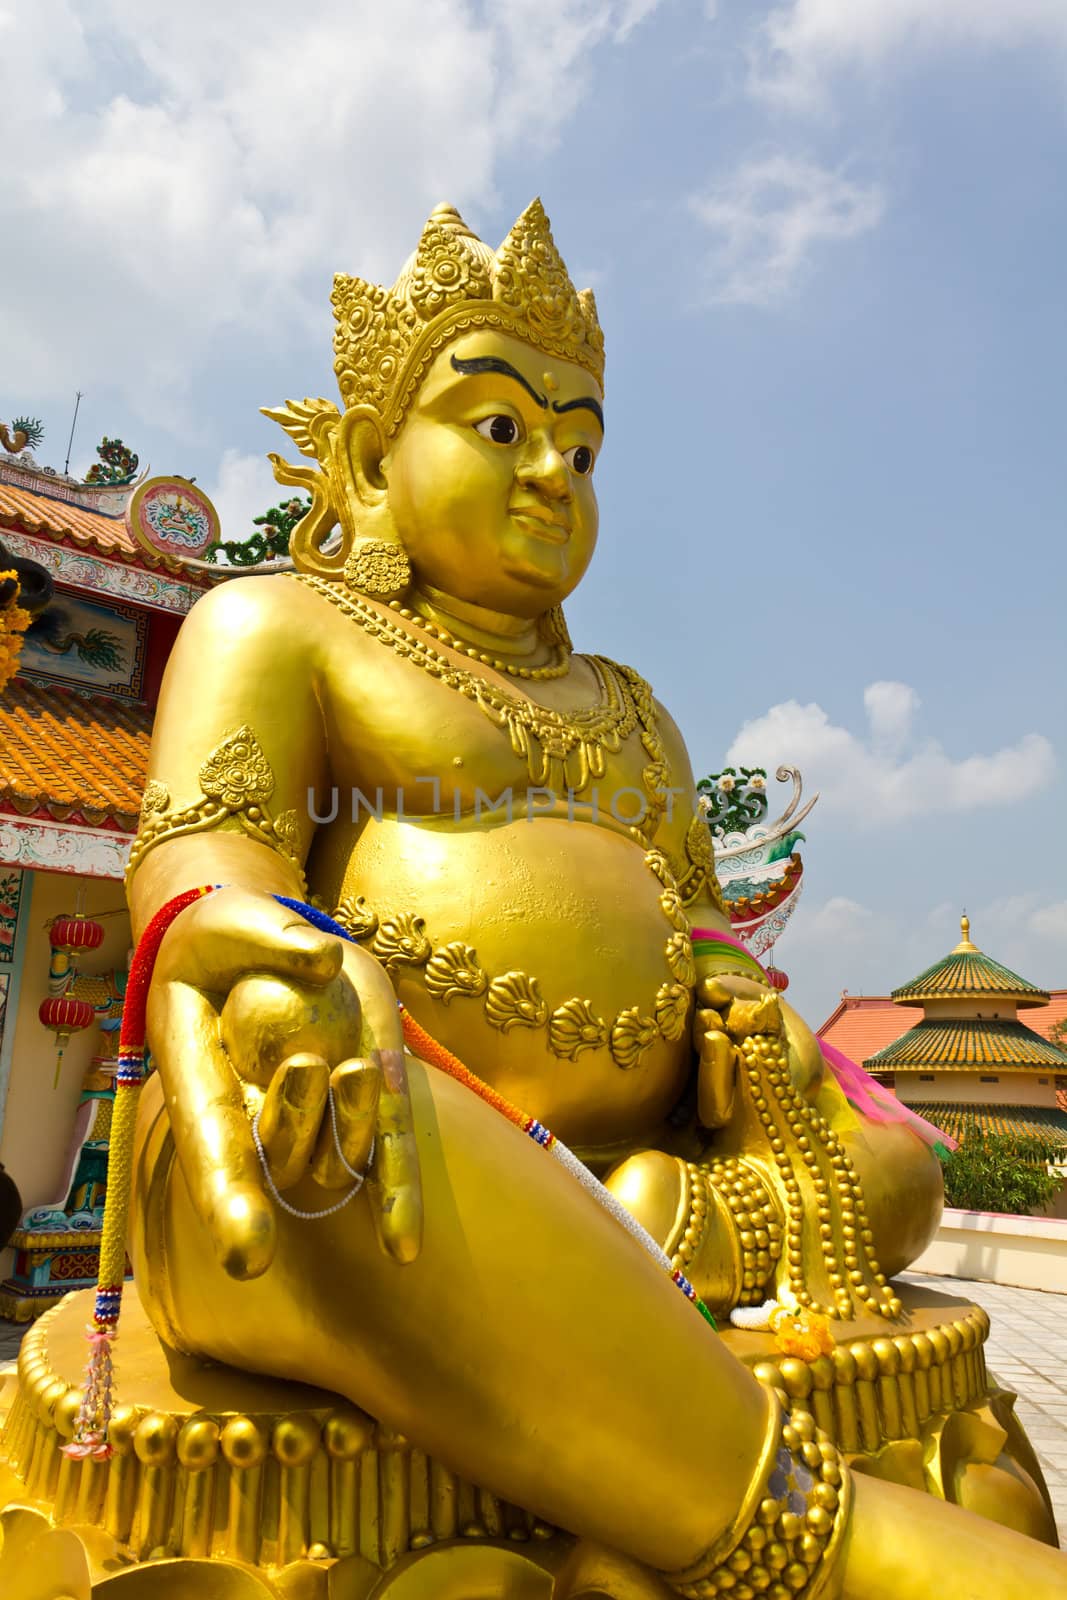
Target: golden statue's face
x,y
490,480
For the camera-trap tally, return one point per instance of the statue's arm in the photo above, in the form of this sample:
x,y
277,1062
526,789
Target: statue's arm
x,y
238,744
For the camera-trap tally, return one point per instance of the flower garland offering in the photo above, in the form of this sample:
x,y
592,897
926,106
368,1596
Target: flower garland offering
x,y
14,620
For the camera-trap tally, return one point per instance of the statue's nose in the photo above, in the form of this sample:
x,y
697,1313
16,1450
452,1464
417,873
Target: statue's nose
x,y
544,468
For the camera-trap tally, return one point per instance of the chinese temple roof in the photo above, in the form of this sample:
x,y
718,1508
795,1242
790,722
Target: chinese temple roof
x,y
968,1043
66,753
1034,1122
34,510
968,974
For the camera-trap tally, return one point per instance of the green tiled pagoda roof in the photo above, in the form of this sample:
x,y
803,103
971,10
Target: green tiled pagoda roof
x,y
968,973
969,1042
1035,1122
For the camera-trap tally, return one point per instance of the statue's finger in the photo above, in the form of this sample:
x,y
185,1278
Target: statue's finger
x,y
291,1115
212,1133
356,1087
705,1022
716,1079
396,1187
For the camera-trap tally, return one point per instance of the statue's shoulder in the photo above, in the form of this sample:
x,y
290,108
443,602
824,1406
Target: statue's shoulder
x,y
263,616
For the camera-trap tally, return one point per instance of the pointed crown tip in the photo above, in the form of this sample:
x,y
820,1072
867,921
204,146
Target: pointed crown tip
x,y
385,338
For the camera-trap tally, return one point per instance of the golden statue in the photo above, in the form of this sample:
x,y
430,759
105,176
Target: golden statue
x,y
467,1379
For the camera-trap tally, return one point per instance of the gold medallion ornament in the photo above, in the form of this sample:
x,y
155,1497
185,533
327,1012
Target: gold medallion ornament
x,y
377,568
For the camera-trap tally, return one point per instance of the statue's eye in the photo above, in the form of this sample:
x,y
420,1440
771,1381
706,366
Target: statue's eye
x,y
501,429
580,459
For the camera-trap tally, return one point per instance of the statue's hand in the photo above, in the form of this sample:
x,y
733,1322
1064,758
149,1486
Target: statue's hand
x,y
717,1060
716,1056
252,1009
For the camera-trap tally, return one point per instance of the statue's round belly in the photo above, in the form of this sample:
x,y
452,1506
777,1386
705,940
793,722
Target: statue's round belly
x,y
544,954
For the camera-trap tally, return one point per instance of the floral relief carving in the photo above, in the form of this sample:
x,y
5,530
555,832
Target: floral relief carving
x,y
454,970
515,1001
632,1036
401,942
574,1027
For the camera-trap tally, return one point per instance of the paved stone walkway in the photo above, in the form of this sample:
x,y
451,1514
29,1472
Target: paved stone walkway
x,y
1027,1351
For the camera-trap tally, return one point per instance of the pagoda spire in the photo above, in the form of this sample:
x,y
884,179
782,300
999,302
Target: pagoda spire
x,y
965,946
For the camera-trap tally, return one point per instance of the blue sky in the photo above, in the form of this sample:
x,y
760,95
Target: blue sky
x,y
827,239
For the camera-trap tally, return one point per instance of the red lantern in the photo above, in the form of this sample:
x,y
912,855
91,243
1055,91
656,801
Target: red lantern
x,y
65,1015
76,933
777,979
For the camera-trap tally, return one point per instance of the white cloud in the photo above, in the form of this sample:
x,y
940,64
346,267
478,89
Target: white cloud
x,y
768,219
194,172
244,488
889,774
803,43
1051,921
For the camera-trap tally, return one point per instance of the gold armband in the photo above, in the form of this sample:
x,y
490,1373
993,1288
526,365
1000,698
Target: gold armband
x,y
236,783
786,1543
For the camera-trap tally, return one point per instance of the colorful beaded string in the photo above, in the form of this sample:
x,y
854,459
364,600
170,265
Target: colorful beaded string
x,y
91,1428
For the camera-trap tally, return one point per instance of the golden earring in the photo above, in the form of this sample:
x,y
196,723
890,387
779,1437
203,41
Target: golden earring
x,y
378,569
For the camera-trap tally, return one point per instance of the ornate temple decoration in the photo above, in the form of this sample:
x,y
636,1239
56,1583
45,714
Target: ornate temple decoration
x,y
236,784
756,861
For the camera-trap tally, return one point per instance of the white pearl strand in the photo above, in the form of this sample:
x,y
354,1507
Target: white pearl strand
x,y
279,1199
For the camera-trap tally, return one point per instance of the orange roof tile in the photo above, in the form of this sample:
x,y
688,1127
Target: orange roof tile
x,y
89,530
863,1024
66,752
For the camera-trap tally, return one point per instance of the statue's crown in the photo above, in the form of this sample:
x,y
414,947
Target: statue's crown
x,y
386,338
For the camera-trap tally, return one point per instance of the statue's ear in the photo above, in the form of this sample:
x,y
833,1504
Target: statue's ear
x,y
361,448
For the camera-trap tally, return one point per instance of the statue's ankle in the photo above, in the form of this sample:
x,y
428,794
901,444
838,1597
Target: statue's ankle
x,y
787,1541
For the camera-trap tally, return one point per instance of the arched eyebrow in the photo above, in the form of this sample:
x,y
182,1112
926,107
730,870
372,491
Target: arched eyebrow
x,y
479,364
574,405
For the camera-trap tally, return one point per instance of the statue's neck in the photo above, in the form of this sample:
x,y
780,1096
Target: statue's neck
x,y
492,631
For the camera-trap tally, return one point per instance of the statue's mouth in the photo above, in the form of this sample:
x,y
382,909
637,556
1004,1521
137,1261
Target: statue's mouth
x,y
542,523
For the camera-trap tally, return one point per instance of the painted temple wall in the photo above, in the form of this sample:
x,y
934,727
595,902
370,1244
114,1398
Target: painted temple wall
x,y
966,1088
986,1010
37,1119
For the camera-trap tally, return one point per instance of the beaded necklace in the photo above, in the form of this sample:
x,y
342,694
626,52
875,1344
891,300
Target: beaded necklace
x,y
557,668
568,744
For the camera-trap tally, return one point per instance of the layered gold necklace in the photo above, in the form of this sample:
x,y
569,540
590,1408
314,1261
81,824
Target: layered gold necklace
x,y
563,750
